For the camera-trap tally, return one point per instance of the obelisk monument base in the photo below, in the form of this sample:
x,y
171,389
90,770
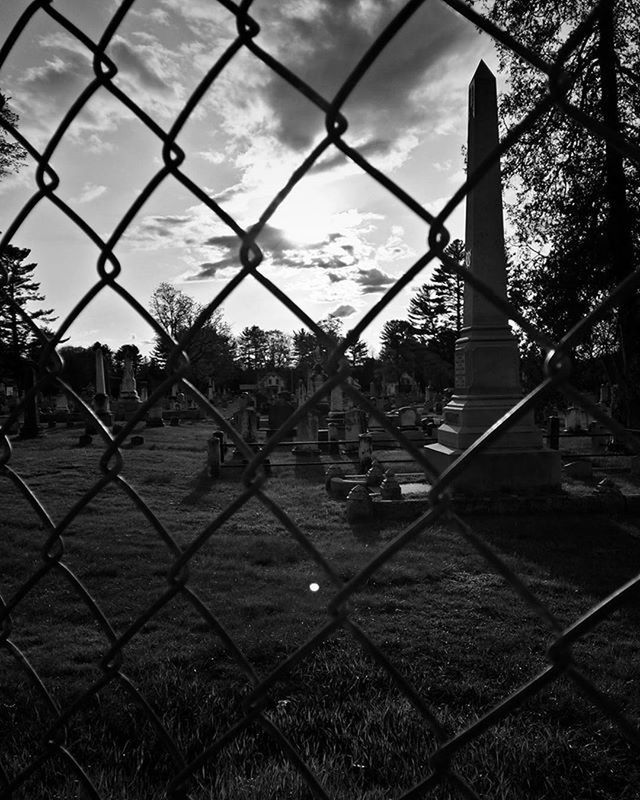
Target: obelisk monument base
x,y
488,362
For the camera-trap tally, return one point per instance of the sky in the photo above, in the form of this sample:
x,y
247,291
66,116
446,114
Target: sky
x,y
337,243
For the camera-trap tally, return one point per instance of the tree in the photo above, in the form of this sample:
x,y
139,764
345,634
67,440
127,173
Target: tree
x,y
213,354
12,155
576,211
304,349
400,347
438,304
253,345
357,354
20,291
211,350
435,311
279,350
173,309
80,366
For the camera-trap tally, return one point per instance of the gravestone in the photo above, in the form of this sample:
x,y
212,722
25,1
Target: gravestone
x,y
335,417
279,414
30,428
307,434
353,428
155,417
487,363
129,399
101,398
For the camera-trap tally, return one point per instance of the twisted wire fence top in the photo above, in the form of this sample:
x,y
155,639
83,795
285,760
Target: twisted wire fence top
x,y
58,739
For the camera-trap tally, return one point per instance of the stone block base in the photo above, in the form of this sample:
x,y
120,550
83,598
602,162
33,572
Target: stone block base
x,y
500,470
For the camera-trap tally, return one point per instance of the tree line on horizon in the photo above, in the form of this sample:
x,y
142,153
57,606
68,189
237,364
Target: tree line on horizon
x,y
574,217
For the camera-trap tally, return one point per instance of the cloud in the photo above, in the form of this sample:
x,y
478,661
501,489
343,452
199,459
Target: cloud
x,y
373,280
278,248
342,311
209,269
150,75
335,278
90,191
411,89
323,45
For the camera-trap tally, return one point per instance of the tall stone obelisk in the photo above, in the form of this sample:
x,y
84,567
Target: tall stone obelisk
x,y
487,362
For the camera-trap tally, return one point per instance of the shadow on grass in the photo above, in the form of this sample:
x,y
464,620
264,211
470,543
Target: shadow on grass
x,y
366,532
202,485
595,552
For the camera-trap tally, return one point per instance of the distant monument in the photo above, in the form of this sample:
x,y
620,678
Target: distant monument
x,y
487,362
129,399
101,398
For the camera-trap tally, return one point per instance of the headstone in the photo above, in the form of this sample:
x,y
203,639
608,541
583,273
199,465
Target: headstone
x,y
30,428
101,384
573,419
155,417
353,428
580,469
62,404
307,434
279,414
487,364
337,399
100,400
128,400
365,451
375,474
390,488
128,389
301,392
407,417
333,471
359,506
600,436
214,457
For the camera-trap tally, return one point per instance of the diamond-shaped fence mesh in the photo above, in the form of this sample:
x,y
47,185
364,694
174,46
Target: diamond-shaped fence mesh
x,y
255,712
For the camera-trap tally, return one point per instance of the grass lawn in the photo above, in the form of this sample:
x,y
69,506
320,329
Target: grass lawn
x,y
453,628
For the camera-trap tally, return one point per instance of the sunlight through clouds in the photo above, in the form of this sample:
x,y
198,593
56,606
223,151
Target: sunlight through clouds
x,y
339,237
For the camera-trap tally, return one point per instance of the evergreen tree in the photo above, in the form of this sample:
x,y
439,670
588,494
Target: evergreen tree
x,y
400,347
253,349
435,311
20,291
12,156
357,354
304,349
279,350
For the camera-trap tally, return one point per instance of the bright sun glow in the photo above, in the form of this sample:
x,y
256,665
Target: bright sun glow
x,y
305,216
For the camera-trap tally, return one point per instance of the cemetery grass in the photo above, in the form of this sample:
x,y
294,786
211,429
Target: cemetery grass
x,y
448,623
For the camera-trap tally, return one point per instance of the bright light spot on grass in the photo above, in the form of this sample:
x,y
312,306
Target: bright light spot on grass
x,y
314,587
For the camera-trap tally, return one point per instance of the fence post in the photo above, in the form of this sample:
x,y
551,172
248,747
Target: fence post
x,y
365,451
213,456
553,433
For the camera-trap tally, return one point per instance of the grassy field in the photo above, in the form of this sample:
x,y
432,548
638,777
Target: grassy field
x,y
447,622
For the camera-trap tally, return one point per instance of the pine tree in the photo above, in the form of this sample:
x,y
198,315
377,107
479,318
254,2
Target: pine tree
x,y
12,156
435,311
20,292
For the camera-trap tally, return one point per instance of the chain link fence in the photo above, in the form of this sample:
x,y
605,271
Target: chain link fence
x,y
57,745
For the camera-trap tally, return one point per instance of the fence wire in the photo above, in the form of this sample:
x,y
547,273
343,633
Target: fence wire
x,y
57,746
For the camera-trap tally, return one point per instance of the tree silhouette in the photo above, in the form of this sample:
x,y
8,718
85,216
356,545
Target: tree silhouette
x,y
12,155
576,206
21,293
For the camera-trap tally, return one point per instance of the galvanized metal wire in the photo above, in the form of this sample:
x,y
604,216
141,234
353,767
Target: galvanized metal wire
x,y
56,747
